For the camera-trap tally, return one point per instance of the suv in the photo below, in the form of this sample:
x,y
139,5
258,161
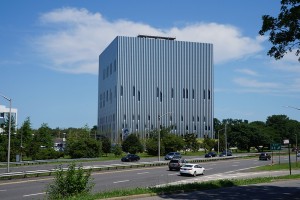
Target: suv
x,y
229,153
176,164
172,155
264,156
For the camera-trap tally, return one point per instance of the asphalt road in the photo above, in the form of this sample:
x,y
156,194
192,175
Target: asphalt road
x,y
34,188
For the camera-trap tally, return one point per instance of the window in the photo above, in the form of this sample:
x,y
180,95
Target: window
x,y
121,90
149,117
157,92
139,96
103,71
181,118
133,91
198,119
160,97
110,68
132,117
187,93
106,95
138,117
187,128
193,94
193,118
115,66
124,117
172,93
203,94
208,94
183,93
195,127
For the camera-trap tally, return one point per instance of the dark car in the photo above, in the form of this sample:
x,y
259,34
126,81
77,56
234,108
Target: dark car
x,y
130,158
176,164
229,153
210,154
264,156
172,155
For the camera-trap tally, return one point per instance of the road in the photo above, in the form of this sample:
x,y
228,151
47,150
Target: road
x,y
34,188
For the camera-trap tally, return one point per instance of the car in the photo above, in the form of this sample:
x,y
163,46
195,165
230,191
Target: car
x,y
172,155
192,169
264,156
130,158
176,164
229,153
210,154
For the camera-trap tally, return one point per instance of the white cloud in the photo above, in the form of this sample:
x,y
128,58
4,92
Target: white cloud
x,y
252,83
247,72
77,37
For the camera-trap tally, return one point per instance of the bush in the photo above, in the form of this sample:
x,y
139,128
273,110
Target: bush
x,y
70,183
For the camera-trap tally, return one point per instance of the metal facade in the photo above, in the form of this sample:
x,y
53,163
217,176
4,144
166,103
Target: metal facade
x,y
147,82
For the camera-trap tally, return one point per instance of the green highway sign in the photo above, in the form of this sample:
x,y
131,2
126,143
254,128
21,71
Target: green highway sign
x,y
275,146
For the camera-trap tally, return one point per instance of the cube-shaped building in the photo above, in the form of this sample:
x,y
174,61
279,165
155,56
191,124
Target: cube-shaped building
x,y
147,82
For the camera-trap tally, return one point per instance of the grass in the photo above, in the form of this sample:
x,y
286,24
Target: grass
x,y
281,166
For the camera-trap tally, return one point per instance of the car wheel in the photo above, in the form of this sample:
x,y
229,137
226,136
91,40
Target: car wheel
x,y
195,174
203,172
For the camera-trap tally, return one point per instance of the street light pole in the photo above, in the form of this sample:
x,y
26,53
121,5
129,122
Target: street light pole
x,y
9,131
159,117
226,138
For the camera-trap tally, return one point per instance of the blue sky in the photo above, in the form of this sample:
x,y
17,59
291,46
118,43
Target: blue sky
x,y
49,54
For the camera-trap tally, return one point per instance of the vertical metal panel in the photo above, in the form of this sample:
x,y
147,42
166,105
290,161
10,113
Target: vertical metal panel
x,y
147,64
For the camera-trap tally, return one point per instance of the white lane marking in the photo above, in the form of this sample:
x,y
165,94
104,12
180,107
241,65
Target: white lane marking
x,y
234,165
121,181
28,195
3,190
143,173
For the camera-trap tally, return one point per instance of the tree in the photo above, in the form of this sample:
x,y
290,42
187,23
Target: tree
x,y
25,133
132,144
106,145
284,30
172,143
84,148
70,183
191,142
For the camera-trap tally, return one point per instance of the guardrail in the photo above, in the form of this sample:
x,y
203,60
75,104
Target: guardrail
x,y
37,173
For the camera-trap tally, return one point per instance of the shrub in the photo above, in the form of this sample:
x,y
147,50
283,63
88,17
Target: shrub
x,y
70,183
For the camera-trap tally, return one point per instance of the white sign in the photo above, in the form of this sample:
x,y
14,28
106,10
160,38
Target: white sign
x,y
286,141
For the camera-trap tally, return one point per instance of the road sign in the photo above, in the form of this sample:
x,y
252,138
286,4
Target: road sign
x,y
275,146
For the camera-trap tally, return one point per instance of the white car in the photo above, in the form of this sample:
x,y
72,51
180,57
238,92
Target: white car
x,y
191,169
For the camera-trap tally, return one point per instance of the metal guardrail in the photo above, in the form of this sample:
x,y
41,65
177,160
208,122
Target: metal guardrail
x,y
36,173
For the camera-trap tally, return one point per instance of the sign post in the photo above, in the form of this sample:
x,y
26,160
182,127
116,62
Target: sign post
x,y
275,146
286,141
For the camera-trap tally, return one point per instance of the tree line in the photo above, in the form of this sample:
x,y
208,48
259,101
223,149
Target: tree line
x,y
36,144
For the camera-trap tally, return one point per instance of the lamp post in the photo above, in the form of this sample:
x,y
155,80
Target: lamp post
x,y
9,127
226,138
159,117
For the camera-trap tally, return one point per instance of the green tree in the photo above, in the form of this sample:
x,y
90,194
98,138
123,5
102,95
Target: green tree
x,y
190,142
208,143
70,183
172,143
106,145
25,133
132,144
284,30
84,148
117,150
